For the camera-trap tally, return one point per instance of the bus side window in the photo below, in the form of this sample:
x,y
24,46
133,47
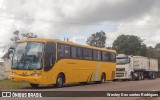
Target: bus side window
x,y
105,56
90,54
73,54
85,53
63,51
79,53
76,52
113,57
99,55
95,55
60,50
67,51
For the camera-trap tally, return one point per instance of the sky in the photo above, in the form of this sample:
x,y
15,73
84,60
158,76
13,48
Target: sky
x,y
78,19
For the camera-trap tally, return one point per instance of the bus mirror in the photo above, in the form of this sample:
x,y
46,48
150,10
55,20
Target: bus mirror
x,y
10,52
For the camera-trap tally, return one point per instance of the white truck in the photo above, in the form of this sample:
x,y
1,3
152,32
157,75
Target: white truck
x,y
135,67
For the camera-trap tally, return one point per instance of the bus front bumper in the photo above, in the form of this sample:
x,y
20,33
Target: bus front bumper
x,y
28,79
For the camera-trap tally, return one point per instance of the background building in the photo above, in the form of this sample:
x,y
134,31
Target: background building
x,y
5,67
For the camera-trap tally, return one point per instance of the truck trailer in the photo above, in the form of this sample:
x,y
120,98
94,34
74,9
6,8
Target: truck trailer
x,y
135,67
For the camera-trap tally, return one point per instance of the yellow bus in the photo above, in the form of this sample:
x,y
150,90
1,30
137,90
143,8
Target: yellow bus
x,y
41,61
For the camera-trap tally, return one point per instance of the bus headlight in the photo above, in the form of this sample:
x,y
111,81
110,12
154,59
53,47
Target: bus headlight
x,y
36,74
13,73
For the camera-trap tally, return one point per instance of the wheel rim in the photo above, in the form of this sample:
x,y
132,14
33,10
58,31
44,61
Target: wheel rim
x,y
60,81
103,78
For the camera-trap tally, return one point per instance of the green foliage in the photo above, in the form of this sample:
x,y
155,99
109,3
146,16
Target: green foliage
x,y
157,53
150,52
97,39
157,46
130,44
154,53
18,36
8,84
133,45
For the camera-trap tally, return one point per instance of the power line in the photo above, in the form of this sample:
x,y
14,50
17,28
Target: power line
x,y
75,23
33,19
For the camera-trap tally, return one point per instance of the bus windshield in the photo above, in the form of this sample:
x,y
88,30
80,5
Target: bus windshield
x,y
122,61
27,56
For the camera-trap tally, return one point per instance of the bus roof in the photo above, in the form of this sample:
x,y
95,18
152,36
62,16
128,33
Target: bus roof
x,y
64,42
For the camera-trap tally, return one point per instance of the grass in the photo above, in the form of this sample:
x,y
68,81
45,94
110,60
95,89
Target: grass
x,y
8,84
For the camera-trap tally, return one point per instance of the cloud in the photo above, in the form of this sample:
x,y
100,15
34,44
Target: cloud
x,y
77,19
146,27
71,11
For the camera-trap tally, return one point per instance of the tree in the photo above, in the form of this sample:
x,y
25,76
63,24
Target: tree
x,y
97,39
129,44
143,50
150,52
157,54
157,46
18,36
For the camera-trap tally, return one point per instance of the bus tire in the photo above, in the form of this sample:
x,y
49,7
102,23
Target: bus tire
x,y
34,85
60,81
102,80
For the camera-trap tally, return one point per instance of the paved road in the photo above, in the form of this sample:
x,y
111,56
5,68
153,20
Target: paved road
x,y
144,85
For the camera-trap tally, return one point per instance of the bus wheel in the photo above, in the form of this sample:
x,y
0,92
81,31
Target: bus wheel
x,y
34,85
60,81
103,78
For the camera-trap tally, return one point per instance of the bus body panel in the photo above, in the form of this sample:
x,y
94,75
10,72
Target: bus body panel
x,y
75,70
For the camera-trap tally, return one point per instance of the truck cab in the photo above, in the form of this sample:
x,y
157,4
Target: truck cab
x,y
124,67
135,67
